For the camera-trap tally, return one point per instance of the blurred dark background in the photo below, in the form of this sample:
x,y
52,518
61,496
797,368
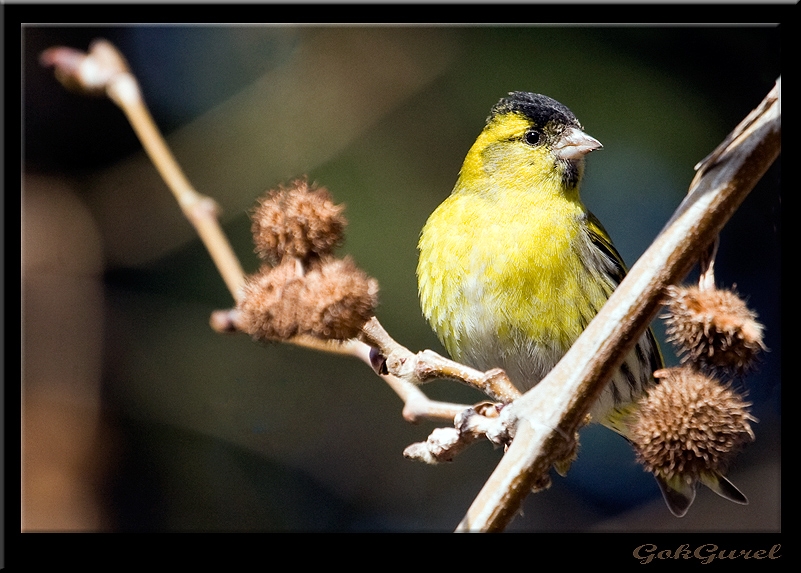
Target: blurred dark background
x,y
137,417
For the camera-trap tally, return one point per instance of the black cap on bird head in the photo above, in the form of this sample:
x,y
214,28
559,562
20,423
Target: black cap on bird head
x,y
537,107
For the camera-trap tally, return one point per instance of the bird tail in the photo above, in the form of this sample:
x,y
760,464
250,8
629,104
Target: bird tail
x,y
679,494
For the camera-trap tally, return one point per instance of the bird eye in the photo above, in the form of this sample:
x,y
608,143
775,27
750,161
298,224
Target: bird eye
x,y
532,137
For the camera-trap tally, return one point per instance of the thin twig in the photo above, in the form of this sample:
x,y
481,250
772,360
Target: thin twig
x,y
416,405
104,70
428,365
470,425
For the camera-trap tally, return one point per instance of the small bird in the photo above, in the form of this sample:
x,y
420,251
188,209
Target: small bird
x,y
513,267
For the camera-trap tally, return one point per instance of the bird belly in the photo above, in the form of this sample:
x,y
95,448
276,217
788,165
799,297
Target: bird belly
x,y
510,296
517,316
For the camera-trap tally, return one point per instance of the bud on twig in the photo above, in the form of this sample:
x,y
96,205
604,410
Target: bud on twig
x,y
88,73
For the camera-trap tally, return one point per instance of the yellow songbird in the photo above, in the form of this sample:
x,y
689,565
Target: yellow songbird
x,y
513,267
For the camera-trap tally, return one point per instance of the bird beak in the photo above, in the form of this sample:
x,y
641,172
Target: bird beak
x,y
575,144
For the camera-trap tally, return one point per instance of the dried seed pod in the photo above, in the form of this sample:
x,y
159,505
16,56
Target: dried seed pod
x,y
298,220
686,431
338,298
268,308
714,329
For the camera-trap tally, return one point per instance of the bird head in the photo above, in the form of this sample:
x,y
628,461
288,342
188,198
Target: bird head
x,y
530,139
